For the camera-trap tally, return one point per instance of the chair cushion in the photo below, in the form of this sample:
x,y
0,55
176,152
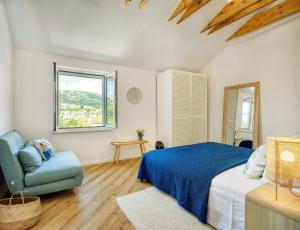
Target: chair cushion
x,y
30,158
61,166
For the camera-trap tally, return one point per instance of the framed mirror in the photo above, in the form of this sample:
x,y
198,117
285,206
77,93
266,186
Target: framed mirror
x,y
241,115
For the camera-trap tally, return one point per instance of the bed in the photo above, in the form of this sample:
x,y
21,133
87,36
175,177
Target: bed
x,y
226,204
200,178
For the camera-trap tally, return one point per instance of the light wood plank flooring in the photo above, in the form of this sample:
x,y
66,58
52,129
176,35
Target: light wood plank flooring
x,y
93,205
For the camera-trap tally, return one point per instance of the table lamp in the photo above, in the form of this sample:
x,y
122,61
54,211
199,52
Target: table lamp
x,y
283,162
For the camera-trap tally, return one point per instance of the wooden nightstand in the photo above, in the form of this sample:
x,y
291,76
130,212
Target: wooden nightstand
x,y
263,212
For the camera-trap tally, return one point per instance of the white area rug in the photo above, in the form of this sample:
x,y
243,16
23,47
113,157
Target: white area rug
x,y
155,210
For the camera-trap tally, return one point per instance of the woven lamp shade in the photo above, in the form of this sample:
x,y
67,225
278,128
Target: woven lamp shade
x,y
283,161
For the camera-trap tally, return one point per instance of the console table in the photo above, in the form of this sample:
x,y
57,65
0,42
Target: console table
x,y
118,145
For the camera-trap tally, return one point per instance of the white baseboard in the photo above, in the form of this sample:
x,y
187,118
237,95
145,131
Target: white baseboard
x,y
123,157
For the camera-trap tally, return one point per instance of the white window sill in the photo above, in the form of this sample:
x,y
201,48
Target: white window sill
x,y
80,130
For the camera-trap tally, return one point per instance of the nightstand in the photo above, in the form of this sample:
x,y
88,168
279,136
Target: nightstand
x,y
263,212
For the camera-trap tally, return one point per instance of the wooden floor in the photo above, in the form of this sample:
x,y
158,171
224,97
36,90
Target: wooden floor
x,y
94,206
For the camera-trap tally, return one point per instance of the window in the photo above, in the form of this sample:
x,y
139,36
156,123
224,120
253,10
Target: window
x,y
247,114
84,100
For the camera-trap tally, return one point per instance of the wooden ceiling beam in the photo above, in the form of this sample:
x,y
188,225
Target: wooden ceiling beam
x,y
195,6
241,14
180,8
228,11
284,9
142,3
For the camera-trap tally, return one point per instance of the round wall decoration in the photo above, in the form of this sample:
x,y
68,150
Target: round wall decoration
x,y
134,96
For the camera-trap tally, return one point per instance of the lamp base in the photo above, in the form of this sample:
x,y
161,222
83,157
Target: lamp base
x,y
297,194
294,193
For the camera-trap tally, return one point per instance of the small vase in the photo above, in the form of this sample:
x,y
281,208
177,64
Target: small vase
x,y
140,137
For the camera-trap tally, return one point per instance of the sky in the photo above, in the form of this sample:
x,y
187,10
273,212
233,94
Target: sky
x,y
91,85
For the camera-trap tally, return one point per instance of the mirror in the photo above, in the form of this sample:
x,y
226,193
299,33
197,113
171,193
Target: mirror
x,y
134,95
240,115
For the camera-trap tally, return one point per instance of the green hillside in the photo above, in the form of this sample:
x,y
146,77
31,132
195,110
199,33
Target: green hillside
x,y
80,98
79,109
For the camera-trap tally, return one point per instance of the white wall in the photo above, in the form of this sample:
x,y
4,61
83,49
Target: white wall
x,y
6,74
34,106
271,56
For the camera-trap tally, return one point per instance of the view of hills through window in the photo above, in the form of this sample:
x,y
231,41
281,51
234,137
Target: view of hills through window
x,y
80,102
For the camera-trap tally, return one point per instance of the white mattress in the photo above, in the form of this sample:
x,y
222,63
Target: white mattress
x,y
226,205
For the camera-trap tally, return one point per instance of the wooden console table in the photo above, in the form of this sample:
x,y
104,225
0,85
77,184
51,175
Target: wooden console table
x,y
118,145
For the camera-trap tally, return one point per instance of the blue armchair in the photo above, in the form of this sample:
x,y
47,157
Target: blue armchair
x,y
62,171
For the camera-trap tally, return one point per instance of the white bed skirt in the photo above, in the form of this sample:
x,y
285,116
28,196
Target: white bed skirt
x,y
226,205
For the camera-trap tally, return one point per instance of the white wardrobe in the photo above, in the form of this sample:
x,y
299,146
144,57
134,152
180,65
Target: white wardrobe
x,y
181,108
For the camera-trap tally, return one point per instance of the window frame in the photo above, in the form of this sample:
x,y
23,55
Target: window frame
x,y
113,76
76,72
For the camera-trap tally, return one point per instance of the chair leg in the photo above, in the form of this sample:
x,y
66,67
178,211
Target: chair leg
x,y
75,191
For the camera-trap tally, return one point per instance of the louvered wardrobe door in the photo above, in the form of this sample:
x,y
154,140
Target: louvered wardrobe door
x,y
181,132
199,109
181,95
181,109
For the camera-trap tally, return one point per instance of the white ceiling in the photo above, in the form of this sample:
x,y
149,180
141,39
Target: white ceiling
x,y
109,31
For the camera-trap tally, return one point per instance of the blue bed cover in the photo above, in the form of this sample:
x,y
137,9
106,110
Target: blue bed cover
x,y
186,172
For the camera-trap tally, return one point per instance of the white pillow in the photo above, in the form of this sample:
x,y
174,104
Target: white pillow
x,y
256,163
